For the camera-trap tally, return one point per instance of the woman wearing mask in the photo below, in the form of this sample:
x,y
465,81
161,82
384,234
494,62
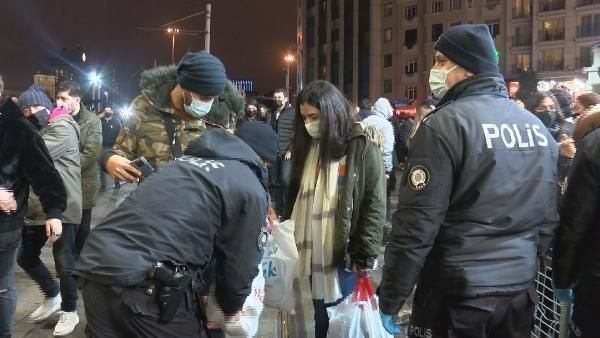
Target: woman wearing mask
x,y
336,197
543,105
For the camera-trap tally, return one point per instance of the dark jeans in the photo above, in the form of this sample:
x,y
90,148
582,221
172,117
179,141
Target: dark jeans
x,y
347,281
9,244
83,230
129,312
279,175
440,316
63,250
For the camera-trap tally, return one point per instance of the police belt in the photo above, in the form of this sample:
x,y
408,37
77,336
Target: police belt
x,y
171,281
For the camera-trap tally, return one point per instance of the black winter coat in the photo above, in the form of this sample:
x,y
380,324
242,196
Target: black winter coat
x,y
477,200
24,161
284,127
577,244
212,202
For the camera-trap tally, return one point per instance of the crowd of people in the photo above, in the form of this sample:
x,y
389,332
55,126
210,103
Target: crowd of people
x,y
203,173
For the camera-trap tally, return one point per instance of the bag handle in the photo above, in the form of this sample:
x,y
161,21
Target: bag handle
x,y
363,292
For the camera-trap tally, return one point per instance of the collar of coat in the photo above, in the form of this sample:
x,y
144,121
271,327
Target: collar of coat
x,y
480,84
157,83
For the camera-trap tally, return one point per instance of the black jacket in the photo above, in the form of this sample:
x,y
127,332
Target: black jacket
x,y
477,200
364,113
577,244
210,203
24,161
110,130
284,127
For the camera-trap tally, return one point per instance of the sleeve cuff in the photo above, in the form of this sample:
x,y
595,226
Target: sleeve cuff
x,y
54,213
104,156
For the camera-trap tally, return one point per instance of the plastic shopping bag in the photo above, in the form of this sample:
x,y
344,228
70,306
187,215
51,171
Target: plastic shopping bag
x,y
358,315
251,311
279,266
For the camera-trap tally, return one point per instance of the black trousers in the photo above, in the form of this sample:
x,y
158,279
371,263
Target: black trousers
x,y
499,316
63,250
129,312
83,230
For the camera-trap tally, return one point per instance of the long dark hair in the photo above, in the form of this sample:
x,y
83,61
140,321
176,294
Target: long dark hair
x,y
336,123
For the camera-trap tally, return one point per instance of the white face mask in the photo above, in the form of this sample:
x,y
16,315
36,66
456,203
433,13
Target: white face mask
x,y
198,109
313,128
437,82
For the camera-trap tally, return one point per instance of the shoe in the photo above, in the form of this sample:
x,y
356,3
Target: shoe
x,y
66,323
48,308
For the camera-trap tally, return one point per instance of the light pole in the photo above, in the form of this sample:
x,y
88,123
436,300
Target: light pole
x,y
173,31
96,80
289,58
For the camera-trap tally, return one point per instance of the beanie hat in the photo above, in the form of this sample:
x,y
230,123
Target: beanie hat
x,y
34,96
260,137
383,108
201,73
471,47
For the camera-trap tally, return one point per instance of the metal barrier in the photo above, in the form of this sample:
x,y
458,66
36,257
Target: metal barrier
x,y
551,318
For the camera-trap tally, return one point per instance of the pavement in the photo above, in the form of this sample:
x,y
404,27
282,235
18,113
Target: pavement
x,y
273,323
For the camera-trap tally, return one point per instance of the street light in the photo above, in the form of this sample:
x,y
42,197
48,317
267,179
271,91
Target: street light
x,y
288,58
173,31
96,80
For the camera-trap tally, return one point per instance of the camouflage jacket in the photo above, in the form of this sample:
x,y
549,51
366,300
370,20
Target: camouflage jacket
x,y
145,134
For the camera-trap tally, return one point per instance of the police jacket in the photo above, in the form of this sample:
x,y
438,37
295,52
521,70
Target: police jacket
x,y
577,244
25,161
477,200
212,202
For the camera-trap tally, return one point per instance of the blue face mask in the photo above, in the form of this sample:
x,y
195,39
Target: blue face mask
x,y
198,109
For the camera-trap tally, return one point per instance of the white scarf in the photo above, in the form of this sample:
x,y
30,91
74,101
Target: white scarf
x,y
314,219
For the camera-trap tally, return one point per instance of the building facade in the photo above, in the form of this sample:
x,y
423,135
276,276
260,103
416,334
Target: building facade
x,y
372,48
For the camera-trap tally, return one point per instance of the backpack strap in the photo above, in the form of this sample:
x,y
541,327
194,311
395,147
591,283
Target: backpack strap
x,y
173,139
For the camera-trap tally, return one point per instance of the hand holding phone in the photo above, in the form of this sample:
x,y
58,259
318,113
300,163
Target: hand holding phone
x,y
143,166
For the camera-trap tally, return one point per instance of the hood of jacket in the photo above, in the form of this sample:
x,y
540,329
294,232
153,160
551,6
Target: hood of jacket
x,y
157,83
220,144
383,108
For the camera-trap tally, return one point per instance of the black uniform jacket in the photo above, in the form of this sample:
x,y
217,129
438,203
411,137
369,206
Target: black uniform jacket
x,y
212,201
477,200
24,161
577,244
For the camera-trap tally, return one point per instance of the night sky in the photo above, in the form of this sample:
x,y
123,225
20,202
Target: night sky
x,y
249,36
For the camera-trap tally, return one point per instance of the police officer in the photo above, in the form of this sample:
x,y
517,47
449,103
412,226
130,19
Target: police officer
x,y
576,257
139,266
476,204
168,113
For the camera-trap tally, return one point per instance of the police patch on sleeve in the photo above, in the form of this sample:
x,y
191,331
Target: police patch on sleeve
x,y
263,237
418,177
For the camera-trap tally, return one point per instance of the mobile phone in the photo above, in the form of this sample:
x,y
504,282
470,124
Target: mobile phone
x,y
143,165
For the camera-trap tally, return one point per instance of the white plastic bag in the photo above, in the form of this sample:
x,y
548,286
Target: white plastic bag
x,y
251,310
357,316
279,266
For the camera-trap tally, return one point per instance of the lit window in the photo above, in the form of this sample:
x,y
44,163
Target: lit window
x,y
411,93
387,35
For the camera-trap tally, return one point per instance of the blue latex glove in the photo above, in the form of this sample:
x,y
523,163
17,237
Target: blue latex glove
x,y
564,295
389,324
